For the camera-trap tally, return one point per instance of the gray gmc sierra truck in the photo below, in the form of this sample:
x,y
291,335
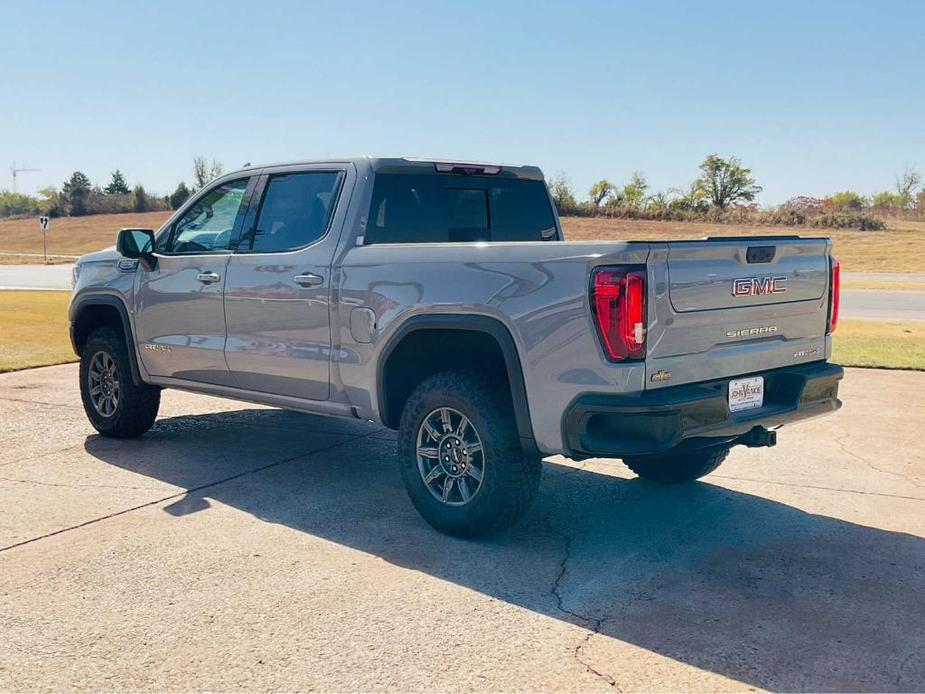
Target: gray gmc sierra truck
x,y
439,299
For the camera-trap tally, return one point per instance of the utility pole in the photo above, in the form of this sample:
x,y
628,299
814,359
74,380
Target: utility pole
x,y
15,171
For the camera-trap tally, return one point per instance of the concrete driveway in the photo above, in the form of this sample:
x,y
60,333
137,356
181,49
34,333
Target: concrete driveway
x,y
243,548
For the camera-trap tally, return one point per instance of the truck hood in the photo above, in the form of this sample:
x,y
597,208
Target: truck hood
x,y
106,255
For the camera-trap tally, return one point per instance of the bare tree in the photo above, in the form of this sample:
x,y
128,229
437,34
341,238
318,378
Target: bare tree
x,y
203,172
906,185
561,190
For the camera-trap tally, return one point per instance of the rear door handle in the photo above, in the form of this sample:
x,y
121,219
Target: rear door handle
x,y
207,277
309,279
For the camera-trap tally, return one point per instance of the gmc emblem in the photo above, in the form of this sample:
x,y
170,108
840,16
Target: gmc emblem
x,y
756,286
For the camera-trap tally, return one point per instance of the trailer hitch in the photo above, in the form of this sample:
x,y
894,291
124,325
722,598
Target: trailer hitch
x,y
759,437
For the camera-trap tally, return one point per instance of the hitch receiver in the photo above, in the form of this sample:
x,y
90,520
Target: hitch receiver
x,y
759,437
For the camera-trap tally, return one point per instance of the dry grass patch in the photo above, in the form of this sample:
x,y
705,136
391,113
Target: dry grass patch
x,y
887,344
71,235
898,249
34,329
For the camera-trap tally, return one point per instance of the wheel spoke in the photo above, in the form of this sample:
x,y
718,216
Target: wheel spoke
x,y
434,473
474,473
96,390
448,488
445,418
464,489
474,448
463,425
429,452
431,430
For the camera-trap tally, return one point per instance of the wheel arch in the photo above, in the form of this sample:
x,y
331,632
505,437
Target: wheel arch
x,y
91,312
484,326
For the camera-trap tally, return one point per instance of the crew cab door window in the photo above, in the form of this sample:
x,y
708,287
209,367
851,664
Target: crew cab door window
x,y
208,225
295,212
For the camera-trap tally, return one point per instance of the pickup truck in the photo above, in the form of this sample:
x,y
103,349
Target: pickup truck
x,y
440,299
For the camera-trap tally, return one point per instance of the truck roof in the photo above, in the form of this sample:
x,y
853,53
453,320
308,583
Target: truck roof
x,y
422,164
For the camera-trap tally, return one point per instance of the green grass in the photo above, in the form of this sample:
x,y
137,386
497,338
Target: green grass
x,y
34,329
885,344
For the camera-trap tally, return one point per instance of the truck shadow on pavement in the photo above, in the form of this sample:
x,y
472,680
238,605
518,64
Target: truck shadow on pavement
x,y
752,589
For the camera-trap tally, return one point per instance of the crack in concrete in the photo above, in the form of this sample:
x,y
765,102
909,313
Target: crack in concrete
x,y
857,456
40,456
592,625
180,494
75,486
39,402
817,486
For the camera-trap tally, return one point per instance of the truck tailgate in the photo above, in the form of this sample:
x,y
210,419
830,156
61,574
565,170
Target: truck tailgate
x,y
723,307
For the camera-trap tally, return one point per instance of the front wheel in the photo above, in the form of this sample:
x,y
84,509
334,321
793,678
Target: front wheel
x,y
115,405
460,455
677,468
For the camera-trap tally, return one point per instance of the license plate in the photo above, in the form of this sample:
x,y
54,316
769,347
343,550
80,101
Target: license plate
x,y
746,393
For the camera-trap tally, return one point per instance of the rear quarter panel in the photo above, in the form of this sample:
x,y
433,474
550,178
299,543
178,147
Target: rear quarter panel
x,y
538,291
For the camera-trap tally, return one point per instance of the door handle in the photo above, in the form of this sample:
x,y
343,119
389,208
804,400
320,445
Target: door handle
x,y
207,277
309,279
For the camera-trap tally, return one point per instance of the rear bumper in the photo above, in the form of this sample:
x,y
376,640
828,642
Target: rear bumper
x,y
695,414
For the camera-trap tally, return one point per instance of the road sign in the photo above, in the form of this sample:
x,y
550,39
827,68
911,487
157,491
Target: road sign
x,y
43,225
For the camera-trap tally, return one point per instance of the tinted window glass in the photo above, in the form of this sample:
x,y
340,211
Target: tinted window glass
x,y
429,208
520,211
467,211
207,225
295,211
407,209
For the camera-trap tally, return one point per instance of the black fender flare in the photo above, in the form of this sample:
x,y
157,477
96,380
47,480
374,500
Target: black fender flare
x,y
81,303
471,323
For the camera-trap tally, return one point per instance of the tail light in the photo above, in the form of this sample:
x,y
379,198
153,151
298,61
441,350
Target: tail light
x,y
834,295
618,301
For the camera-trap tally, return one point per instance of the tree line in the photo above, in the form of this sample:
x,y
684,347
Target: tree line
x,y
79,196
725,191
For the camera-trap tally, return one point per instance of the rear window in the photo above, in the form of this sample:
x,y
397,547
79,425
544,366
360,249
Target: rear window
x,y
433,208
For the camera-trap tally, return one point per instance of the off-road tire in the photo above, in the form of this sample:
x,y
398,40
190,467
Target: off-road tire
x,y
678,468
137,405
511,477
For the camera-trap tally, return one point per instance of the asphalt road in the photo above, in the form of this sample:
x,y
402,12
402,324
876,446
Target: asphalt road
x,y
870,304
856,303
35,276
243,548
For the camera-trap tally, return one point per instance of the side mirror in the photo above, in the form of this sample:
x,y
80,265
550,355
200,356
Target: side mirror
x,y
136,243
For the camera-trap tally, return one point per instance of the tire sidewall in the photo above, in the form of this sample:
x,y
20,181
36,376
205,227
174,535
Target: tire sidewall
x,y
105,341
468,519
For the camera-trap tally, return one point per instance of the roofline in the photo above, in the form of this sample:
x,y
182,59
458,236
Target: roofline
x,y
375,162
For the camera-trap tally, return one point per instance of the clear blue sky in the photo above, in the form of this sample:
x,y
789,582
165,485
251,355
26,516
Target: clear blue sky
x,y
814,96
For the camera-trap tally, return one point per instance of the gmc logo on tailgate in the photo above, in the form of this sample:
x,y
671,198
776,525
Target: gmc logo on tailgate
x,y
756,286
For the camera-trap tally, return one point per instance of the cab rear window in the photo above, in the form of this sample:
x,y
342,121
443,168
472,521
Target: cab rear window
x,y
435,208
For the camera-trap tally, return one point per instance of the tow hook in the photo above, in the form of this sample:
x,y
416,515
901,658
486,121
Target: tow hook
x,y
759,437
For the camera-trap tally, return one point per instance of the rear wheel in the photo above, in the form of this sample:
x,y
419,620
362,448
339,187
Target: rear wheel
x,y
460,455
676,468
114,404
